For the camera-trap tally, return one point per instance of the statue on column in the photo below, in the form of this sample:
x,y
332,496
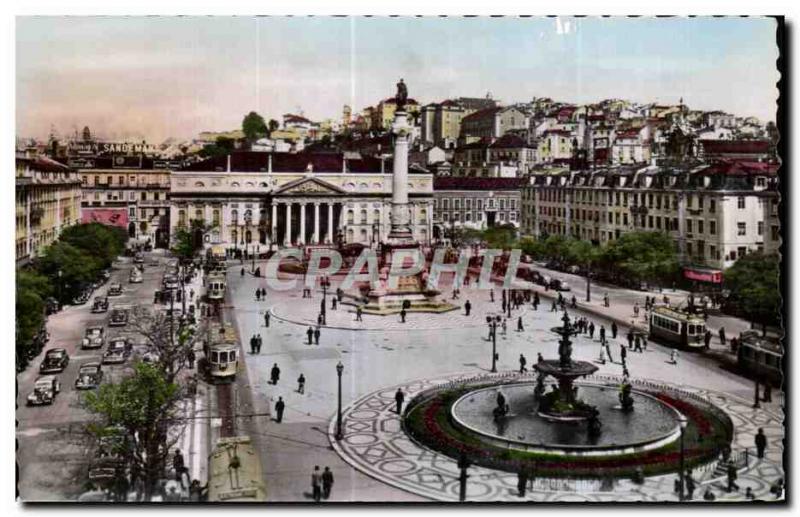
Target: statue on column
x,y
402,95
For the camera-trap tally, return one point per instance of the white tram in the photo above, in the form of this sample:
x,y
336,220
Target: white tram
x,y
677,327
221,351
215,286
234,472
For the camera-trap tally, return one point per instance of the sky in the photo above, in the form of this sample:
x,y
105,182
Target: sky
x,y
157,77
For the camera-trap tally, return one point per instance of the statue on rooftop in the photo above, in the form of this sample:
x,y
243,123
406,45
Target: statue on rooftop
x,y
402,95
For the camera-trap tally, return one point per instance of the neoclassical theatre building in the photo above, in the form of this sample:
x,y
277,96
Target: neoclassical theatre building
x,y
247,200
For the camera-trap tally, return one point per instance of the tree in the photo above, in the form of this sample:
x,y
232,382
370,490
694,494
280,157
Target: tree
x,y
754,285
641,257
101,242
145,405
273,125
222,147
254,127
31,291
77,267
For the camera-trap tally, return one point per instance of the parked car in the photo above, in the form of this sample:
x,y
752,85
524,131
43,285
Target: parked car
x,y
89,376
105,276
51,305
118,318
559,285
83,297
55,360
135,276
112,448
119,349
44,391
170,282
100,304
138,258
95,337
115,289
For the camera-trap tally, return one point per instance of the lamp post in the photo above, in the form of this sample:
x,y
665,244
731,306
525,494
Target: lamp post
x,y
493,322
683,423
756,403
339,370
588,284
59,286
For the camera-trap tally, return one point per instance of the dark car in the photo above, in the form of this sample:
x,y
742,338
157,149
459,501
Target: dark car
x,y
559,285
119,349
52,306
115,289
44,391
138,258
95,337
100,304
90,376
83,297
118,318
55,360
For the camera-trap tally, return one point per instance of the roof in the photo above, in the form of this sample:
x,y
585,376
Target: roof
x,y
44,164
295,118
509,141
735,146
248,161
562,132
742,168
457,183
484,113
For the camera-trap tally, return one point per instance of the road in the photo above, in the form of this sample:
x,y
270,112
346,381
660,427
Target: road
x,y
54,448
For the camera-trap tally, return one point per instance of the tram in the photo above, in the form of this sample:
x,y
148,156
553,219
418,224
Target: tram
x,y
761,356
677,327
221,351
215,286
234,472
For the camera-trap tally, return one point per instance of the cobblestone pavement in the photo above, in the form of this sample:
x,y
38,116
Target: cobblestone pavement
x,y
374,443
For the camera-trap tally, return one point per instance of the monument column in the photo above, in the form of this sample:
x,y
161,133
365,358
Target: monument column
x,y
287,239
315,239
330,223
400,230
274,224
302,239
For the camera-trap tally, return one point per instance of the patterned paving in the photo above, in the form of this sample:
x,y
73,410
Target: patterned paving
x,y
374,443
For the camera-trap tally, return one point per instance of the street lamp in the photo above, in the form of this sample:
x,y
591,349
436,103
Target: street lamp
x,y
59,286
493,322
756,403
339,370
588,284
683,423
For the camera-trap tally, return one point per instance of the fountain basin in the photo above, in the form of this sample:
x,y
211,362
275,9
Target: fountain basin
x,y
652,423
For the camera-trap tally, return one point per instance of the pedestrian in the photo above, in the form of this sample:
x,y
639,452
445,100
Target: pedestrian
x,y
503,305
190,357
591,330
674,357
732,476
266,319
191,294
709,495
722,335
644,341
253,344
403,315
602,334
301,384
761,442
316,336
178,463
320,320
316,484
399,397
623,353
522,363
734,345
614,330
638,344
522,483
505,326
259,342
606,300
748,494
327,483
491,295
242,272
279,407
258,294
520,328
602,354
690,485
310,334
275,374
467,307
608,352
333,303
539,358
358,313
574,302
630,339
553,307
636,309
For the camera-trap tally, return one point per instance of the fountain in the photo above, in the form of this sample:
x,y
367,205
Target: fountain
x,y
562,403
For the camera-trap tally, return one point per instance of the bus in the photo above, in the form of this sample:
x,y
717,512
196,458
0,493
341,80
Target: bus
x,y
234,472
677,327
761,356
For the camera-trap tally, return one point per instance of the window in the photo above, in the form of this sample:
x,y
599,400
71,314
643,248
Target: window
x,y
468,204
732,255
215,215
235,216
712,227
712,206
144,196
445,204
649,221
761,227
109,180
740,202
775,232
742,251
363,216
456,203
156,195
121,180
688,226
761,182
700,226
741,228
700,202
479,204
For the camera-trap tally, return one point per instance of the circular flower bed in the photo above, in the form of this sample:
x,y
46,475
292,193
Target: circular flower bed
x,y
709,430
